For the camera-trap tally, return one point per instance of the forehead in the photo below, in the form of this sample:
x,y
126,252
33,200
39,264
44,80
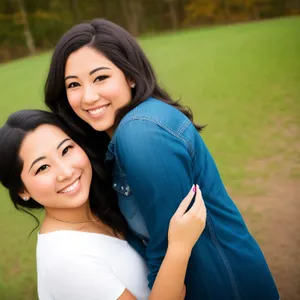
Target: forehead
x,y
41,141
85,59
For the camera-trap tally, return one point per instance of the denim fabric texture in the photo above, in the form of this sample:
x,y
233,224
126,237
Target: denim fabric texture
x,y
157,155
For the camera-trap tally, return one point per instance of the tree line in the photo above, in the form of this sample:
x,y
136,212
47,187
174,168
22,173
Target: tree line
x,y
28,26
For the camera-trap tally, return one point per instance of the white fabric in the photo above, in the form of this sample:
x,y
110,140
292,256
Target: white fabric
x,y
74,265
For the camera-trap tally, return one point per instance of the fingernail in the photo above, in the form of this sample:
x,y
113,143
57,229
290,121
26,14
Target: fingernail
x,y
194,188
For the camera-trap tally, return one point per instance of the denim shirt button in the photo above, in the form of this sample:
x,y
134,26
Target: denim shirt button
x,y
127,190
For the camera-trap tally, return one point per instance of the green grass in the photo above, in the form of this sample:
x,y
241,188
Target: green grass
x,y
243,81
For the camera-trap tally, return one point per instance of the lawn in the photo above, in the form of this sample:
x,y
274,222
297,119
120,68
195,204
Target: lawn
x,y
242,80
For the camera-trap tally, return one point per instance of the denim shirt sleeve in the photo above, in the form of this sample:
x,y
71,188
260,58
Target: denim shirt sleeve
x,y
158,166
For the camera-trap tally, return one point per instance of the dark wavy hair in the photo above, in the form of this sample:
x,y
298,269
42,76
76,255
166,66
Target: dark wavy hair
x,y
117,45
103,199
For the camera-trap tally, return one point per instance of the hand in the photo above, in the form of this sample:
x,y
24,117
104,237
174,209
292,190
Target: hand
x,y
186,226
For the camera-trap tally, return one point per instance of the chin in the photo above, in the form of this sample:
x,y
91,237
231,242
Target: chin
x,y
101,127
79,203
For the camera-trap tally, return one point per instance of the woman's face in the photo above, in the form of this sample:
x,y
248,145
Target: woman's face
x,y
56,171
96,88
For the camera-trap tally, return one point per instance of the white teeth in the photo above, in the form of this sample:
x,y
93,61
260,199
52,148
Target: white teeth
x,y
71,188
98,110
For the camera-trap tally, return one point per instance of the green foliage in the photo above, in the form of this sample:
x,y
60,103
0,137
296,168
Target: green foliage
x,y
215,11
49,19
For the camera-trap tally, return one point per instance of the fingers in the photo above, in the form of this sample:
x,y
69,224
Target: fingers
x,y
202,208
185,203
198,209
198,204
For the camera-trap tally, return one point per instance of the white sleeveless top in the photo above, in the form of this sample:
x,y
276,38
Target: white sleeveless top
x,y
75,265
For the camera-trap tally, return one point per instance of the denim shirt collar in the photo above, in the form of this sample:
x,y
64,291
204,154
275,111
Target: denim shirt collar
x,y
111,153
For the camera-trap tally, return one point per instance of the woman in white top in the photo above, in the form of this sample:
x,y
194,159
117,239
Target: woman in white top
x,y
82,252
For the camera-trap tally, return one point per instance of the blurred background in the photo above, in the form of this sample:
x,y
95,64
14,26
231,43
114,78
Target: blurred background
x,y
28,26
235,63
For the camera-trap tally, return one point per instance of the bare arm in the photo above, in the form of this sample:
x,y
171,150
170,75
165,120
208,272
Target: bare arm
x,y
185,229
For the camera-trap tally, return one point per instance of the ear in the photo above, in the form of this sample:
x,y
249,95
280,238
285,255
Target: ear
x,y
25,196
131,83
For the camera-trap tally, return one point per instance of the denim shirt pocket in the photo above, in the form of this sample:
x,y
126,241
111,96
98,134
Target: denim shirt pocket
x,y
126,201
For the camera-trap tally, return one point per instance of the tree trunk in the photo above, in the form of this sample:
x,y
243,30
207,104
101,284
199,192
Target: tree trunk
x,y
173,14
76,15
226,10
27,33
104,8
131,11
254,11
181,11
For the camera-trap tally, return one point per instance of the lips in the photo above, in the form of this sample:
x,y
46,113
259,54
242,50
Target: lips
x,y
71,187
98,110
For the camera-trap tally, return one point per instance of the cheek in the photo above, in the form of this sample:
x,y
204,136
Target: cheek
x,y
74,99
117,91
82,160
41,188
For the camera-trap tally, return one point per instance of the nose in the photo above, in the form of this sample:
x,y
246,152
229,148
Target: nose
x,y
90,95
65,172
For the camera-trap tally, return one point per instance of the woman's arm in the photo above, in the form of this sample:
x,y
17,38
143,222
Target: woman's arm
x,y
185,229
159,169
80,277
169,283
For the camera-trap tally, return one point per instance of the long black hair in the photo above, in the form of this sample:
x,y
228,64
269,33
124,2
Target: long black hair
x,y
103,199
119,47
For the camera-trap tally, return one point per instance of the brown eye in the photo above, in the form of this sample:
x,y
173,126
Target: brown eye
x,y
42,168
101,78
73,85
66,150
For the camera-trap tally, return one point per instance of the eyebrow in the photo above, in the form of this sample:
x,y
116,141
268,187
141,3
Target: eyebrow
x,y
43,157
99,69
35,161
65,140
91,73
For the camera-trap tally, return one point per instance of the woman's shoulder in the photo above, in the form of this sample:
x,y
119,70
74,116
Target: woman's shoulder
x,y
74,265
75,243
55,246
154,106
61,251
152,113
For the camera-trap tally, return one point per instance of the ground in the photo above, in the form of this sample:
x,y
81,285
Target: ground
x,y
273,216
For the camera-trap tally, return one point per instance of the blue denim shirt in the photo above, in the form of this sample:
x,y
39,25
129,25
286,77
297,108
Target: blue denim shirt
x,y
158,155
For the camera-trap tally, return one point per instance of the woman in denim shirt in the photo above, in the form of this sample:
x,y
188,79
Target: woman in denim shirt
x,y
100,79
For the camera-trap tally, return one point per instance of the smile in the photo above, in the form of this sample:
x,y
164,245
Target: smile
x,y
98,111
71,188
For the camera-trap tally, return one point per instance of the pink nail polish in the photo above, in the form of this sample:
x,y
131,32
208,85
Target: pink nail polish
x,y
194,188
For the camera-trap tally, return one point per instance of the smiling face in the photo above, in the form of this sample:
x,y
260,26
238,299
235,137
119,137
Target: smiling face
x,y
56,171
96,88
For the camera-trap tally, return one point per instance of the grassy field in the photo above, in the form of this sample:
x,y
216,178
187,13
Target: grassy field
x,y
244,82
